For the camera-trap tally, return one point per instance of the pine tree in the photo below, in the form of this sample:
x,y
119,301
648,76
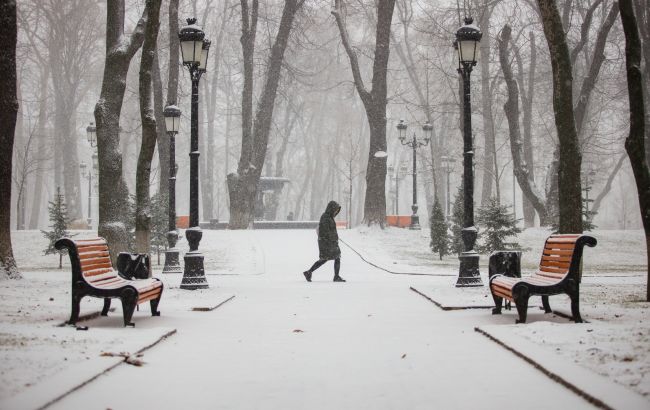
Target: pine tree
x,y
59,218
497,225
159,223
439,236
457,214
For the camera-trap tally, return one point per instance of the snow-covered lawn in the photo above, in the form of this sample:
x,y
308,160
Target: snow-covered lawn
x,y
265,267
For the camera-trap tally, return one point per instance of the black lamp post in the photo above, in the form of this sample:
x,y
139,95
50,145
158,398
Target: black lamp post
x,y
172,124
468,38
414,144
398,175
89,176
194,49
448,167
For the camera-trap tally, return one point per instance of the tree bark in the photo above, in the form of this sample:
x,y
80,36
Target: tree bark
x,y
162,141
174,47
635,142
8,115
527,97
374,102
40,150
490,171
113,192
242,186
523,171
149,131
569,183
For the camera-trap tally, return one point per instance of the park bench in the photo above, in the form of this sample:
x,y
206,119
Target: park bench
x,y
93,275
560,271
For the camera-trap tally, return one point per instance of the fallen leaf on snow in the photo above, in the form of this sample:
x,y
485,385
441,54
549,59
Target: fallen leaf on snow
x,y
404,355
298,331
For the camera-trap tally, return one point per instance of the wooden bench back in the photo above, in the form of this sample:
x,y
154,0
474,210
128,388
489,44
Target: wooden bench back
x,y
562,256
90,259
94,257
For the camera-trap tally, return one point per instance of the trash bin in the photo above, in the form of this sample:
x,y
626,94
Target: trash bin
x,y
506,263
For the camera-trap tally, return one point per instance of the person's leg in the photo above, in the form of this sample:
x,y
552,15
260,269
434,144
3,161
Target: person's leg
x,y
337,268
315,266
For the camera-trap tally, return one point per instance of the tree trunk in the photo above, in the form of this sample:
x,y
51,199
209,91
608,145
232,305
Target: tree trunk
x,y
174,47
162,141
523,172
149,131
490,171
8,114
242,186
113,192
37,200
569,183
374,102
635,142
527,96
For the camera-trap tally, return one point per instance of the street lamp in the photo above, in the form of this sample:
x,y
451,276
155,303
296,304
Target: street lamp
x,y
448,167
88,175
172,116
414,144
91,134
194,49
467,41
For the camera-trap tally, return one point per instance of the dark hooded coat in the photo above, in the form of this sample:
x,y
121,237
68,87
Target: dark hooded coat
x,y
328,238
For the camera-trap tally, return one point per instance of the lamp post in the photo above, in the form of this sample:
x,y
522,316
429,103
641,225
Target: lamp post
x,y
91,134
194,49
398,176
448,166
172,116
414,144
89,176
468,38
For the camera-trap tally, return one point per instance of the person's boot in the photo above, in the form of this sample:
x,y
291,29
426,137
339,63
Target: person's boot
x,y
307,275
337,278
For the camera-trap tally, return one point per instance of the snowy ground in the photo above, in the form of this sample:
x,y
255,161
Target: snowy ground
x,y
284,343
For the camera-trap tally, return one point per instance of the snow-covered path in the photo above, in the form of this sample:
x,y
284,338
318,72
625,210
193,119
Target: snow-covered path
x,y
283,343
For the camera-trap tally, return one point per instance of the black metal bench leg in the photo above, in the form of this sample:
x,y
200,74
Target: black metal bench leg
x,y
74,314
497,304
575,306
154,306
107,306
547,306
129,301
520,296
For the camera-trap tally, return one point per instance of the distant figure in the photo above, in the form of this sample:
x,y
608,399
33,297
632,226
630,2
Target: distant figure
x,y
290,216
328,242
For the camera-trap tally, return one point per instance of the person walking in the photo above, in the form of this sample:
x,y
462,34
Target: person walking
x,y
328,242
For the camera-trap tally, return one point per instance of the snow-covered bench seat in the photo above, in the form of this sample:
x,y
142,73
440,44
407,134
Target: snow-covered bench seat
x,y
560,271
93,275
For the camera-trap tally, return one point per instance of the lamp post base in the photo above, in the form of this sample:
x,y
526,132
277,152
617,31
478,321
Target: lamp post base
x,y
172,264
415,222
468,274
415,219
194,273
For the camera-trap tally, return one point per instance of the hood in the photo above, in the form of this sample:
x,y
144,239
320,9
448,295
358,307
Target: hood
x,y
333,209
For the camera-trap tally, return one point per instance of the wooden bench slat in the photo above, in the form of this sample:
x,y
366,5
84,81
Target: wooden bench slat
x,y
560,246
558,252
95,254
95,261
94,272
556,258
555,264
87,249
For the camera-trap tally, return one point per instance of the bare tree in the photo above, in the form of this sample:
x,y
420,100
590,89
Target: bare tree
x,y
149,131
374,102
8,114
242,186
569,184
113,192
